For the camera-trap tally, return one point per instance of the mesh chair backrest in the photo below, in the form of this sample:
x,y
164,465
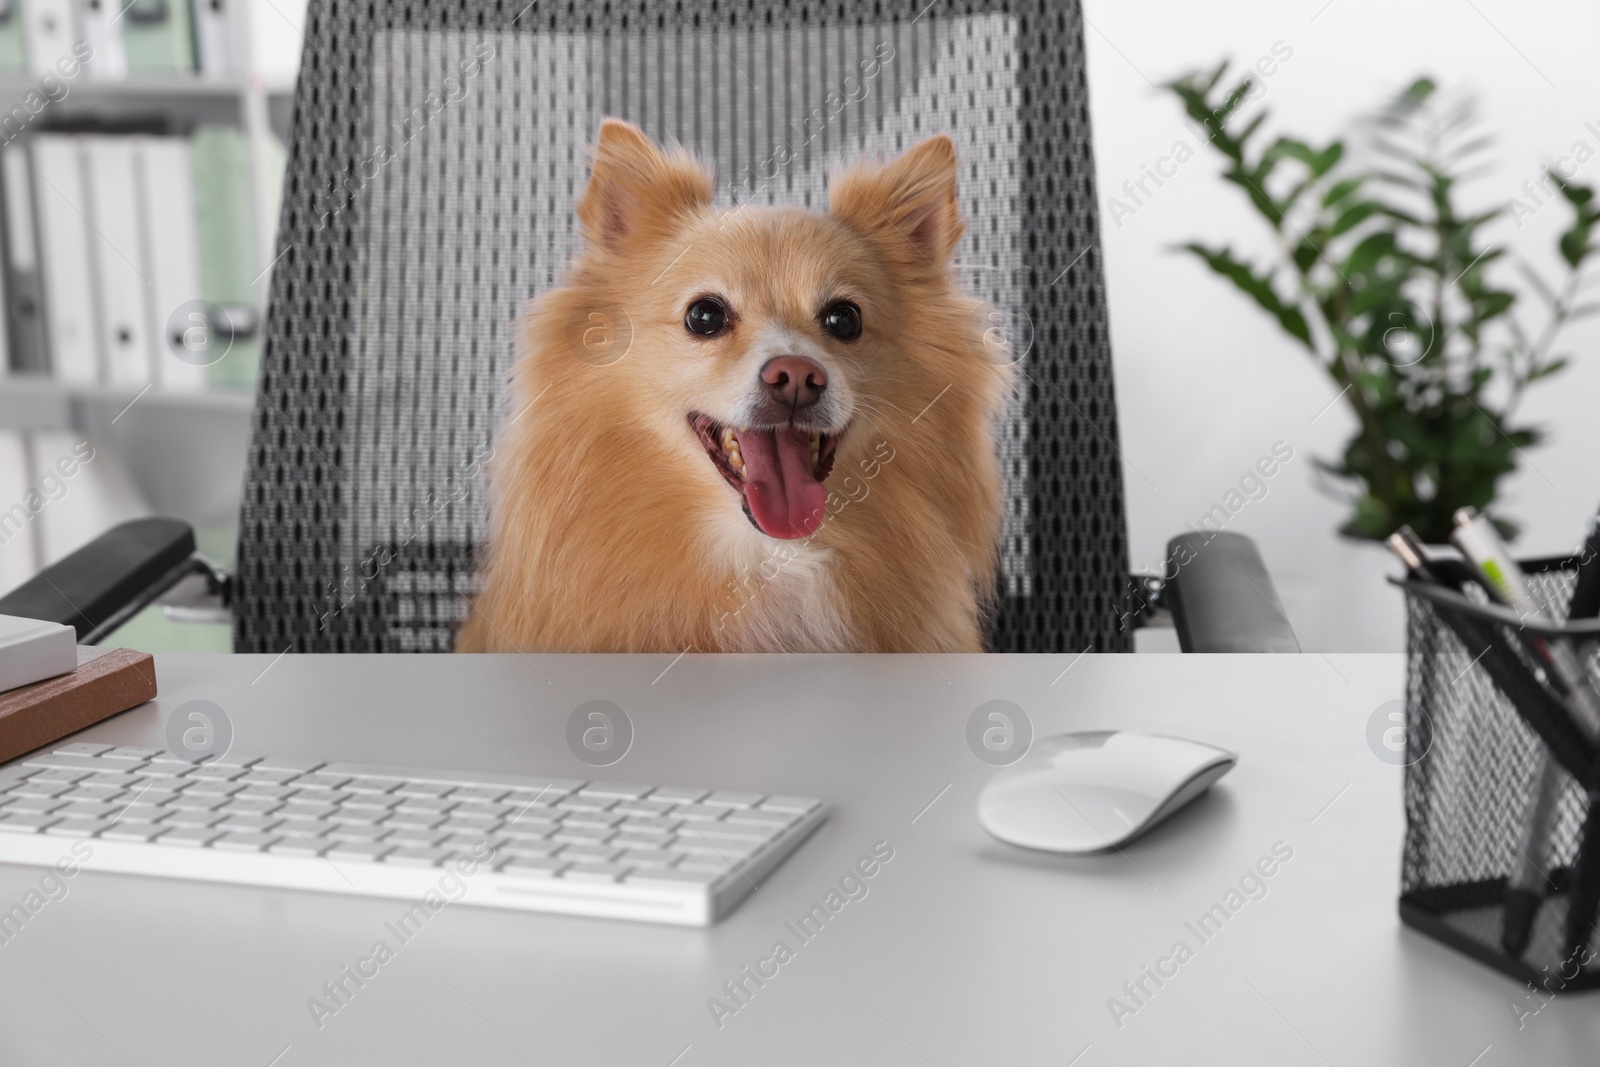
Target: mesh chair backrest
x,y
437,152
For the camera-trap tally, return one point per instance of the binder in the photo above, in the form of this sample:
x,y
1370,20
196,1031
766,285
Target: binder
x,y
13,38
62,206
25,320
117,252
228,264
101,21
213,34
50,31
172,257
158,36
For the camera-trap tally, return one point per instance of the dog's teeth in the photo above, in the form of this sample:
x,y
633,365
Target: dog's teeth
x,y
730,442
735,460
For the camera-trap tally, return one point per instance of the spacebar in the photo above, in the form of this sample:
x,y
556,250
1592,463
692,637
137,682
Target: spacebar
x,y
423,774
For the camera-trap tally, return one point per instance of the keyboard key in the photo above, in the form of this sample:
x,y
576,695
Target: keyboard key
x,y
196,802
643,807
185,817
496,811
643,838
294,845
322,780
25,823
189,836
115,779
132,831
594,872
56,775
296,766
322,796
142,813
699,811
270,792
82,748
431,805
31,805
478,792
154,796
528,849
676,795
96,792
247,803
723,832
728,798
248,822
533,798
255,776
578,802
590,853
211,773
129,753
454,823
86,809
231,761
595,820
235,841
468,842
652,823
38,788
774,820
618,790
409,838
433,790
358,816
708,864
533,867
791,805
373,785
583,835
648,857
362,850
353,832
417,857
212,788
673,879
69,762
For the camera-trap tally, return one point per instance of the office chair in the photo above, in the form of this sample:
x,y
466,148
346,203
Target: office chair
x,y
436,154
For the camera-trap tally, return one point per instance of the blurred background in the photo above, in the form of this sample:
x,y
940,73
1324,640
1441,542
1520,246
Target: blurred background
x,y
141,157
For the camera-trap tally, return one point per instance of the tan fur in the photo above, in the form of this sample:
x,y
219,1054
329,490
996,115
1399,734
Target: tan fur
x,y
611,529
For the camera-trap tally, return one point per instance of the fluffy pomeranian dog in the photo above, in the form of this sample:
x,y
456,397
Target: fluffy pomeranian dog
x,y
755,430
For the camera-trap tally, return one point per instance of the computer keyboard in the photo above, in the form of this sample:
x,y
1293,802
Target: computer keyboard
x,y
611,849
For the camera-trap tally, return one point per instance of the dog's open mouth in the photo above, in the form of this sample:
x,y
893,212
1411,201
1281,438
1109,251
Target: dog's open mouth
x,y
778,473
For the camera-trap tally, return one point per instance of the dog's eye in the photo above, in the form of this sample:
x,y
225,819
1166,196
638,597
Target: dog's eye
x,y
843,320
706,317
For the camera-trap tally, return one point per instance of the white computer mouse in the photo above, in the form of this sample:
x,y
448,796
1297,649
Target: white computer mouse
x,y
1086,792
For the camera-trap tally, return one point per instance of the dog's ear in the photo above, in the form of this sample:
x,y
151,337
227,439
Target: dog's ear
x,y
909,203
635,189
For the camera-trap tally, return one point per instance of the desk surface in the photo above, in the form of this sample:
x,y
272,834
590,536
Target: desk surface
x,y
963,951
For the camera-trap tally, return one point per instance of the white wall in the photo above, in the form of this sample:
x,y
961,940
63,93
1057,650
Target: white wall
x,y
1206,383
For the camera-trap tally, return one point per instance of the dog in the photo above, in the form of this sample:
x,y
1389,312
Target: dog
x,y
753,429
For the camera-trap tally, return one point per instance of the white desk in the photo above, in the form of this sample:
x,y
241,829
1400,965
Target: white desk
x,y
964,951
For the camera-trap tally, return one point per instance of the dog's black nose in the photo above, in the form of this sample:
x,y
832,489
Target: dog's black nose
x,y
794,381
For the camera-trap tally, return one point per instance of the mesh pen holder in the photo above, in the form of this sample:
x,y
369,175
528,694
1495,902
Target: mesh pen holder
x,y
1484,717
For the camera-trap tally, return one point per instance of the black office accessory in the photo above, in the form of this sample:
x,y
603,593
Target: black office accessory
x,y
1479,696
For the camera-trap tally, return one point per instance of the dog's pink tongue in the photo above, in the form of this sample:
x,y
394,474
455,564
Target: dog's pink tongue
x,y
786,500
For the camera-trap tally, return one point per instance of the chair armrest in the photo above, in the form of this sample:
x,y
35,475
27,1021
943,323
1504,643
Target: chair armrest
x,y
105,582
1222,598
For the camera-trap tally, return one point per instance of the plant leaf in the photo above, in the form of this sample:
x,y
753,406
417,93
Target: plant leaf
x,y
1258,287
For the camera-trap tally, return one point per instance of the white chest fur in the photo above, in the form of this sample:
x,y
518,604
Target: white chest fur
x,y
782,596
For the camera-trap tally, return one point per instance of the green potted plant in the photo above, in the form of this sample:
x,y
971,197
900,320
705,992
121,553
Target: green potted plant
x,y
1393,291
